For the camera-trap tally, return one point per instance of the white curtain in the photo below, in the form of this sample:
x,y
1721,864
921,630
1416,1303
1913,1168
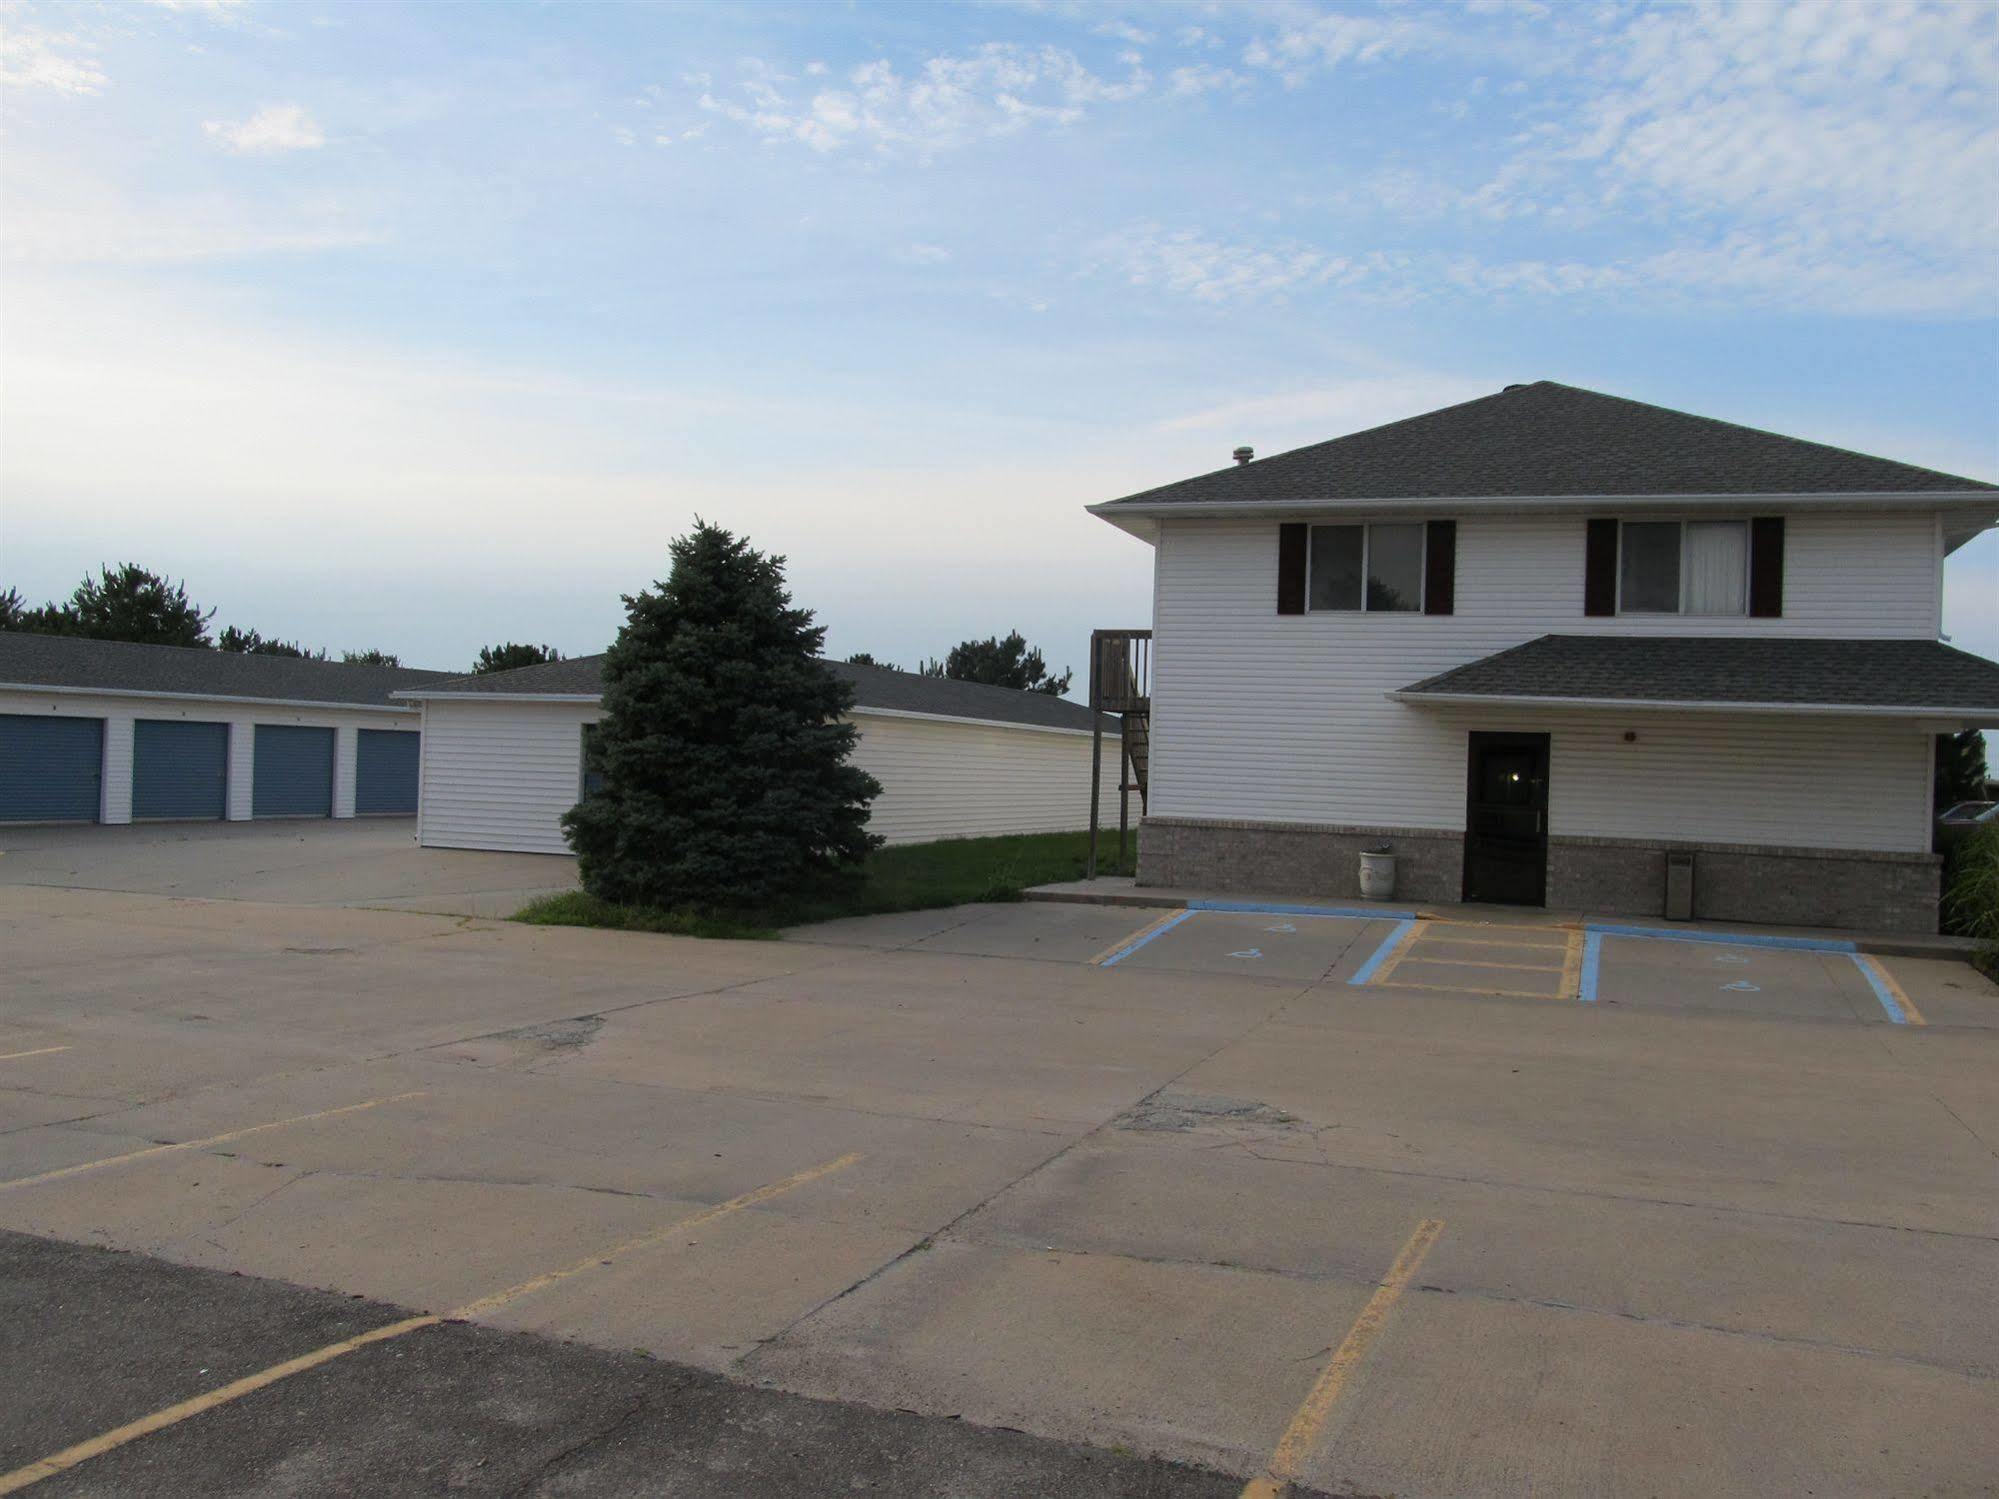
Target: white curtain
x,y
1717,567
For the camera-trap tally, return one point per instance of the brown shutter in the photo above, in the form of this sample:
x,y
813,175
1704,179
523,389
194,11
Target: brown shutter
x,y
1440,567
1766,566
1600,568
1291,568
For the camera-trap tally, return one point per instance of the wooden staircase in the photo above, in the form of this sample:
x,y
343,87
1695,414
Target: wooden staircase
x,y
1121,684
1138,750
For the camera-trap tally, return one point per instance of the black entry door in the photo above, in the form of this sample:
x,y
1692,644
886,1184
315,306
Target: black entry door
x,y
1506,820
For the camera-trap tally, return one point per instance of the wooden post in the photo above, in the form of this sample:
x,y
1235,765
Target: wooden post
x,y
1096,758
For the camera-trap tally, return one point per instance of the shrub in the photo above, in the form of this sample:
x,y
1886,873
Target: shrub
x,y
1971,903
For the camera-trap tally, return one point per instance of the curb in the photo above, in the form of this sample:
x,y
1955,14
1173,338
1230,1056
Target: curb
x,y
1948,949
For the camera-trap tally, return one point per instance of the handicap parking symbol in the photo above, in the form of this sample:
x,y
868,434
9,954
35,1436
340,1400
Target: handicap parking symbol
x,y
1744,986
1282,926
1729,957
1248,952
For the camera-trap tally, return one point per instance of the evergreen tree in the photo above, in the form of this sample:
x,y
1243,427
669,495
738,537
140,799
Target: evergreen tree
x,y
252,643
722,747
1000,663
370,658
127,603
864,658
508,656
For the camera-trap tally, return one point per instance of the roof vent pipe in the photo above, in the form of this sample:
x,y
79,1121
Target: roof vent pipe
x,y
1243,455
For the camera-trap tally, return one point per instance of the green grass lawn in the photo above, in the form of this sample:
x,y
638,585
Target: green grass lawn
x,y
907,877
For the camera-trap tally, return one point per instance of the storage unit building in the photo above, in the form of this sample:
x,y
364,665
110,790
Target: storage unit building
x,y
503,756
106,731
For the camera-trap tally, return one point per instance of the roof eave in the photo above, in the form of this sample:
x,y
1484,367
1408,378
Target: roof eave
x,y
1124,513
420,694
1968,717
39,688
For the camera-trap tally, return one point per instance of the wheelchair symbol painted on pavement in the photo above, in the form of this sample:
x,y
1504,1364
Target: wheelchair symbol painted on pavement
x,y
1744,986
1248,952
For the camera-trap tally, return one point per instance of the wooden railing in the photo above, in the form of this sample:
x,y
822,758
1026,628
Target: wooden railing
x,y
1121,671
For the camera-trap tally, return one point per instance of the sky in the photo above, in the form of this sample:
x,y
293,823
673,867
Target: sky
x,y
422,327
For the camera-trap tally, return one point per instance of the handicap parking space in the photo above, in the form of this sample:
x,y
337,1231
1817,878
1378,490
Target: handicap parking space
x,y
1291,945
1686,974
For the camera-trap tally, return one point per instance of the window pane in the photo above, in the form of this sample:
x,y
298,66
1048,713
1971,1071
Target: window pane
x,y
1649,582
1717,567
1395,567
1336,567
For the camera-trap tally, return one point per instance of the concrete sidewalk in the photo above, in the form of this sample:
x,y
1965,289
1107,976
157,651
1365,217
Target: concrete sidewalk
x,y
1122,890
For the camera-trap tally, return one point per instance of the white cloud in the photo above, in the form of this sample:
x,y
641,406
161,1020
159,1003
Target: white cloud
x,y
1807,153
62,213
1189,263
945,103
1287,418
212,8
923,254
46,60
273,129
1297,50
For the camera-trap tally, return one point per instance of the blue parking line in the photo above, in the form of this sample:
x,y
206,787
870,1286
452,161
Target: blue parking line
x,y
1592,962
1726,939
1380,954
1890,1001
1159,931
1258,908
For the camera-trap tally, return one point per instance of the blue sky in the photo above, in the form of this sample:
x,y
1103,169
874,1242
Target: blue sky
x,y
422,327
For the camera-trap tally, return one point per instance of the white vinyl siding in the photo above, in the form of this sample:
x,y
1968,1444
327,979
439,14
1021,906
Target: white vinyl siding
x,y
120,711
500,775
1276,718
946,780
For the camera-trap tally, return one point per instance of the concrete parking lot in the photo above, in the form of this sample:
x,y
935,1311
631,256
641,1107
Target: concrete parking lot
x,y
1002,1199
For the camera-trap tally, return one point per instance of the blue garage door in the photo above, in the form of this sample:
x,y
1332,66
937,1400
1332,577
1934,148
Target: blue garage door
x,y
179,769
51,768
294,774
385,772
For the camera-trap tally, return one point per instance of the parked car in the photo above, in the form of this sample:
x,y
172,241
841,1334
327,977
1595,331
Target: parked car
x,y
1957,823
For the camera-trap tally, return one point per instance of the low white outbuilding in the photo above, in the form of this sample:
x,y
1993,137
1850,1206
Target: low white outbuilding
x,y
503,756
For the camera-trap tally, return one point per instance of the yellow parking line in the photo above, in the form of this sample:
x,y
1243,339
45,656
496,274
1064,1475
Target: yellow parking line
x,y
40,1051
624,1247
1138,936
1572,967
1494,942
1400,951
207,1140
1880,971
172,1415
1475,963
1494,926
1299,1437
1456,989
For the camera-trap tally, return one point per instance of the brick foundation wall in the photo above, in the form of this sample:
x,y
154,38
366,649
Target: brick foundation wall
x,y
1864,891
1295,858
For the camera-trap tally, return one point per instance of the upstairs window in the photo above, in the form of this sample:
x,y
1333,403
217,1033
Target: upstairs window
x,y
1375,568
1683,567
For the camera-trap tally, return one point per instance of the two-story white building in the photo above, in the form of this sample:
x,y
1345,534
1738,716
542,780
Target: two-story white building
x,y
1547,642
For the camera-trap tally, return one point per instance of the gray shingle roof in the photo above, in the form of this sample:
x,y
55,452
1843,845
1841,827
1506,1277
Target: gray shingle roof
x,y
1553,440
874,687
118,666
1893,674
